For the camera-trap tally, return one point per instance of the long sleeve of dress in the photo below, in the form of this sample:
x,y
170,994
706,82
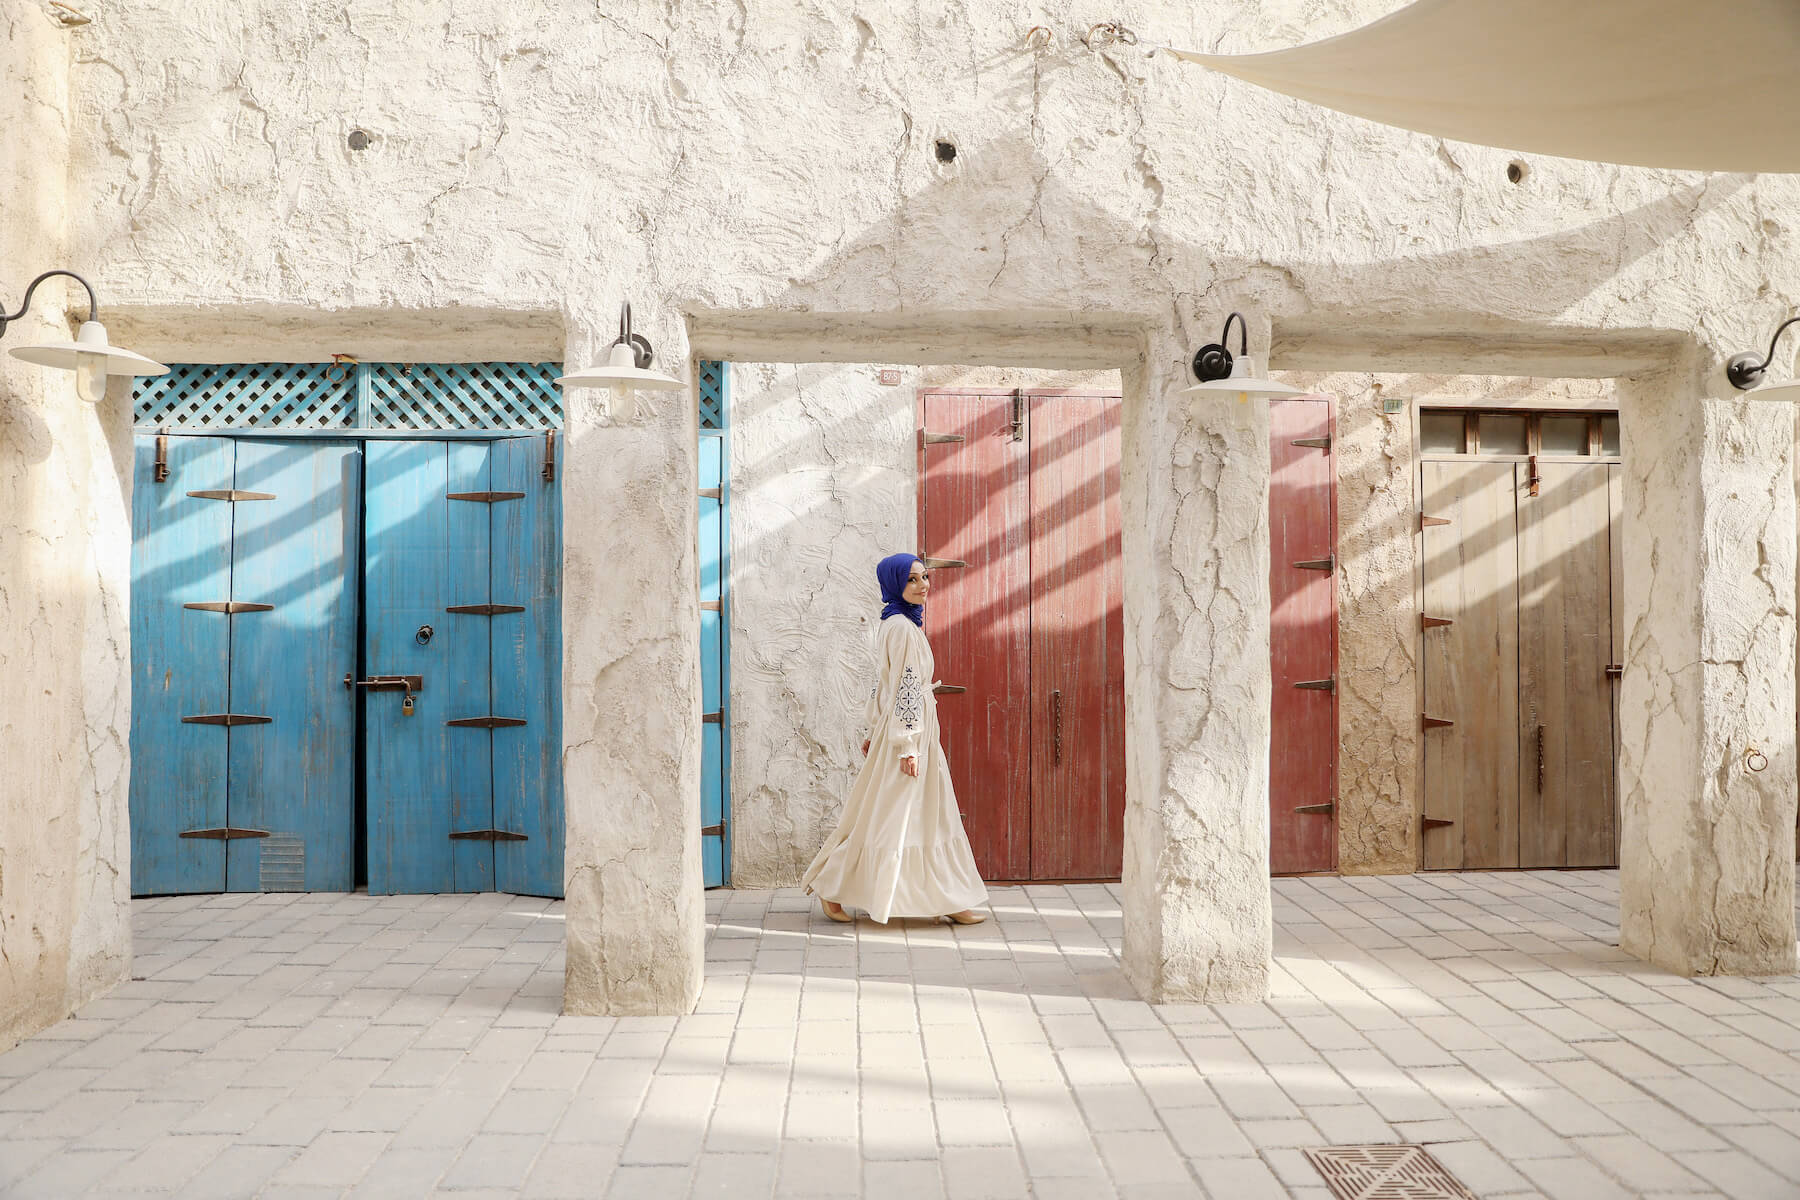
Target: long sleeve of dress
x,y
903,683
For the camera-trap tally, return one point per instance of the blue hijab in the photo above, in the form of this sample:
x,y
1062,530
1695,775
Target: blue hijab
x,y
893,572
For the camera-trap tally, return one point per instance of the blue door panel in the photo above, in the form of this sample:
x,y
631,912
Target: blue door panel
x,y
294,777
464,656
713,682
180,659
527,671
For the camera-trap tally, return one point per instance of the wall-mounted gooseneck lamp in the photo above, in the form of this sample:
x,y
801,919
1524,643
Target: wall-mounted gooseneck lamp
x,y
89,355
1222,373
1745,371
626,370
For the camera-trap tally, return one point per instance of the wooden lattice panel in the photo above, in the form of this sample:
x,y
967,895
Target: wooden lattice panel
x,y
236,395
1390,1172
464,396
712,394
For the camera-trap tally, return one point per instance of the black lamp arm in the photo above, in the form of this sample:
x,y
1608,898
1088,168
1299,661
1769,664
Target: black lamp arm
x,y
1243,332
639,345
1745,371
93,305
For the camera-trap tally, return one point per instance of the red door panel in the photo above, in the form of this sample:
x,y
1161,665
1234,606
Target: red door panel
x,y
973,507
1302,640
1077,639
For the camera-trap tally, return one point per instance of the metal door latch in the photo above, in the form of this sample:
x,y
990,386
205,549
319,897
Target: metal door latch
x,y
386,683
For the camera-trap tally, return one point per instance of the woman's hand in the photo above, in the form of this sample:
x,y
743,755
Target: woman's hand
x,y
865,747
910,765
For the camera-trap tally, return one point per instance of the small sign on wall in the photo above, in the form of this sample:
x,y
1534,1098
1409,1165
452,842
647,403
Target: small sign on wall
x,y
890,377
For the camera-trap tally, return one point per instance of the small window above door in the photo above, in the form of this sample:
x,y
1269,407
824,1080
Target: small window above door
x,y
1517,434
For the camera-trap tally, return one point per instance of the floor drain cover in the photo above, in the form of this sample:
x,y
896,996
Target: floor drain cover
x,y
1386,1173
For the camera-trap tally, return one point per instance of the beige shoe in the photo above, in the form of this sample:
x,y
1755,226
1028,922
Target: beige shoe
x,y
836,912
967,916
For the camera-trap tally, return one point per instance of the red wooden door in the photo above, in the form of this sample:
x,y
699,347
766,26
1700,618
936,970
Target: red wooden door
x,y
974,507
1033,627
1302,639
1077,639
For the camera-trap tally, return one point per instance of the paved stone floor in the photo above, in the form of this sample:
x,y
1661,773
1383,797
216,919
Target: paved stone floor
x,y
324,1045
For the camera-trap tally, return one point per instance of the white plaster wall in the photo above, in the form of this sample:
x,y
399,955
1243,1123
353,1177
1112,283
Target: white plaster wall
x,y
65,932
824,483
772,165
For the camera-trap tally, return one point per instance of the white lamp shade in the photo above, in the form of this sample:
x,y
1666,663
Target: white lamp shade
x,y
89,345
621,373
1787,389
1243,382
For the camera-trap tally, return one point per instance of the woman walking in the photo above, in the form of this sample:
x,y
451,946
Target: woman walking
x,y
900,849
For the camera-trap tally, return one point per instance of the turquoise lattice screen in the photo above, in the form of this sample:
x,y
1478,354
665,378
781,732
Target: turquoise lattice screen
x,y
496,395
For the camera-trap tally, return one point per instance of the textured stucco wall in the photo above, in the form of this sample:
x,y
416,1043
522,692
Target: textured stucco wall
x,y
824,482
755,173
65,538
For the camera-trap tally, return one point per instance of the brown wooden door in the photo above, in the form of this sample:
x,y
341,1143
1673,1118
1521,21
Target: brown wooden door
x,y
1077,639
1469,569
979,617
1566,803
1302,639
1032,627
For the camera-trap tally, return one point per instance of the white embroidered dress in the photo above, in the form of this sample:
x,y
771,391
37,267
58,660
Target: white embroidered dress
x,y
899,850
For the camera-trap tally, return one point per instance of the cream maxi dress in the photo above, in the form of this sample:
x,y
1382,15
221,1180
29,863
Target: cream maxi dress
x,y
900,849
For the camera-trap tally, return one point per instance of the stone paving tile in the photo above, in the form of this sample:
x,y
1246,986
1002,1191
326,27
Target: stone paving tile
x,y
346,1046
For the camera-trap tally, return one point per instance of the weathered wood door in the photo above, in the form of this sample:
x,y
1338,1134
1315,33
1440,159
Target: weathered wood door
x,y
243,620
464,775
1518,570
1302,638
1024,489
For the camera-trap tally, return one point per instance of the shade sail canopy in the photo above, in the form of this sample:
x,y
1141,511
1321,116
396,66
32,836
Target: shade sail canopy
x,y
1704,85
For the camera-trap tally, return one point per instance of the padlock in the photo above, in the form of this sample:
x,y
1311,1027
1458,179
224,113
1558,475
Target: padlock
x,y
406,709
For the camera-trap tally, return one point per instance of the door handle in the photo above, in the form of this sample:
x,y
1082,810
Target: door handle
x,y
1540,759
1056,723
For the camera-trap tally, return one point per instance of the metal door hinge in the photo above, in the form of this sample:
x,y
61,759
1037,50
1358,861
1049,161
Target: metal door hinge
x,y
1318,443
1426,722
486,722
488,835
228,606
712,606
948,689
1429,823
484,610
226,719
231,494
1318,564
1426,622
1426,522
550,456
224,833
934,439
1326,809
160,468
1318,685
485,497
1615,670
941,564
712,493
713,718
712,830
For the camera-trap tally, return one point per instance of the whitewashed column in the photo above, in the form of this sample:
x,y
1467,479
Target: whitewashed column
x,y
631,699
1196,529
1706,852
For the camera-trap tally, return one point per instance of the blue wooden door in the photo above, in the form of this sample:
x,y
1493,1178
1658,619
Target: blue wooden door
x,y
712,662
462,557
243,622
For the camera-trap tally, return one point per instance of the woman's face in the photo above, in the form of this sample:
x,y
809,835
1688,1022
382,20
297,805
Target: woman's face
x,y
918,585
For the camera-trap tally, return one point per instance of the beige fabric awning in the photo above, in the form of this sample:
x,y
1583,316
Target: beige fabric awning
x,y
1705,85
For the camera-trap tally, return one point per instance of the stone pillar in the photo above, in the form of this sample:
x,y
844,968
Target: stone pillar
x,y
1196,530
631,696
1706,854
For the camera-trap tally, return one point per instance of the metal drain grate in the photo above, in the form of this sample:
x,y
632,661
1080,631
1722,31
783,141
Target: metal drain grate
x,y
1386,1173
283,867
